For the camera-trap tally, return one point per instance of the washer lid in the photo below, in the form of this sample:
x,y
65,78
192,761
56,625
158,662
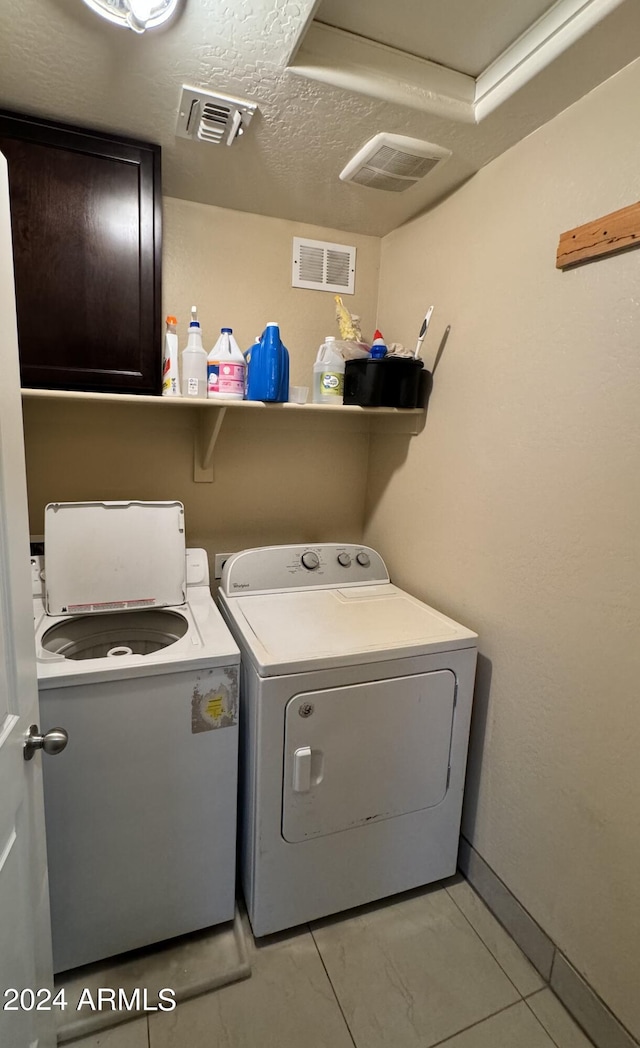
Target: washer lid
x,y
112,556
312,629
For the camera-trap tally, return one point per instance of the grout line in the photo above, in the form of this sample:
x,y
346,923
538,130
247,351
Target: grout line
x,y
472,1026
333,989
506,1007
551,1038
148,1033
533,993
547,1031
487,947
563,1006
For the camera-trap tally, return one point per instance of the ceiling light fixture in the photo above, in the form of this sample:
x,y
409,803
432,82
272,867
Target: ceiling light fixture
x,y
135,14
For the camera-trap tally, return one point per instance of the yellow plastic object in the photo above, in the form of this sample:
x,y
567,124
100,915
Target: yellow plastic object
x,y
347,330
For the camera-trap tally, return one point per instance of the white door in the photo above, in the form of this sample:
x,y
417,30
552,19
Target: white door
x,y
25,953
366,752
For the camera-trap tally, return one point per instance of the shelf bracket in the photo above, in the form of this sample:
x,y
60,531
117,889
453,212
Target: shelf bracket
x,y
206,434
411,424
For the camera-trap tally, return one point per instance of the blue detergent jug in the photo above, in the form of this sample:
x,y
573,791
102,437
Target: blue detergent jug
x,y
269,367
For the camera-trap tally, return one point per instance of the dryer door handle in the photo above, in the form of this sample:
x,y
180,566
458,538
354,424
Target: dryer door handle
x,y
302,769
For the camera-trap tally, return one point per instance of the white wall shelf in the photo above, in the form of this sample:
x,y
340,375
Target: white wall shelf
x,y
210,415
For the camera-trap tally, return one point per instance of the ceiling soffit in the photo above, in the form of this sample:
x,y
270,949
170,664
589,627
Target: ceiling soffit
x,y
354,63
460,34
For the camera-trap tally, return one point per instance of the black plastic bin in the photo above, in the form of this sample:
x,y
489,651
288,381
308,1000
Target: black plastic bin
x,y
391,382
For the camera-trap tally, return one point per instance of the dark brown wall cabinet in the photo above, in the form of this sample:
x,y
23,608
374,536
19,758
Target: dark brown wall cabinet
x,y
85,213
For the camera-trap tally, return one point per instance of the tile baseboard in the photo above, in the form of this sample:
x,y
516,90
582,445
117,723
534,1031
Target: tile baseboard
x,y
581,1000
571,988
534,943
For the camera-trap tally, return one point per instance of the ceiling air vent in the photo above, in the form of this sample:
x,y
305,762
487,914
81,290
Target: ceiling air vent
x,y
393,163
321,266
217,119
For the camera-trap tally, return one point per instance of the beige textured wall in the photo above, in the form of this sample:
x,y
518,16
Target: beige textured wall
x,y
276,480
517,510
296,479
236,267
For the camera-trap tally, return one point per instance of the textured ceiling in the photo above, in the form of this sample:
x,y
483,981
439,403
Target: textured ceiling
x,y
58,60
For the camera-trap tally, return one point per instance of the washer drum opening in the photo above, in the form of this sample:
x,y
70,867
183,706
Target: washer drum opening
x,y
112,636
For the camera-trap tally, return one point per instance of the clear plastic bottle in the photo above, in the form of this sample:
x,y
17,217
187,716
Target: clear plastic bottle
x,y
194,362
226,369
328,374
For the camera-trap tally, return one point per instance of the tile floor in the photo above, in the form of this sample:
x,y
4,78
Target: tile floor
x,y
431,967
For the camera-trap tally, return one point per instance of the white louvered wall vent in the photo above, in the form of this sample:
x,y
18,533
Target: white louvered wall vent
x,y
321,266
393,163
217,119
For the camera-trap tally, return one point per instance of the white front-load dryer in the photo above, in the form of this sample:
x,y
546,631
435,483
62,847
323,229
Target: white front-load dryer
x,y
355,710
135,662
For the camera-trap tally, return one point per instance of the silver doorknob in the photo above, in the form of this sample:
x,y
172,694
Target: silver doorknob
x,y
53,742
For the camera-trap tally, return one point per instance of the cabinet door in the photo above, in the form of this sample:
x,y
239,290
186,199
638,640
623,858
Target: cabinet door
x,y
85,212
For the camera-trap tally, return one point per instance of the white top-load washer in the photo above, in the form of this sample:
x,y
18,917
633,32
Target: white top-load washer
x,y
136,663
355,710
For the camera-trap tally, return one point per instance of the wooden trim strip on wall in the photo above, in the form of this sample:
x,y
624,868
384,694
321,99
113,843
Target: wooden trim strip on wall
x,y
600,237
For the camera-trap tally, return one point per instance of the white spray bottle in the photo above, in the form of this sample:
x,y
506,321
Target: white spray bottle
x,y
194,362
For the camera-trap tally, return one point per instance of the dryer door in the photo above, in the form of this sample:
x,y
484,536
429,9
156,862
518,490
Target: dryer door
x,y
366,752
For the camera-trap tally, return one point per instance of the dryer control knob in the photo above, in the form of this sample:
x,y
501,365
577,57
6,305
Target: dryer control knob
x,y
344,559
310,561
363,559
